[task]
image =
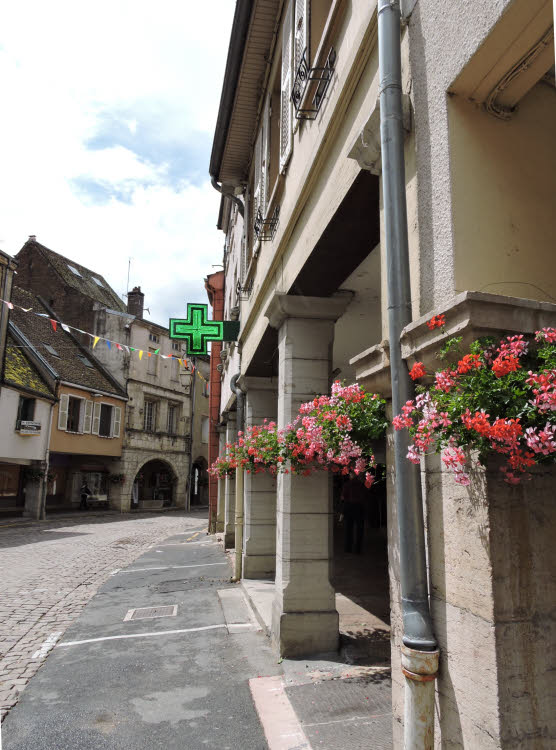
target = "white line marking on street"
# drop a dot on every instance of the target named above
(47, 646)
(279, 721)
(168, 567)
(140, 635)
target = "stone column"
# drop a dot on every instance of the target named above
(34, 490)
(221, 483)
(259, 545)
(230, 491)
(304, 617)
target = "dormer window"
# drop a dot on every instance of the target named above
(51, 350)
(74, 270)
(98, 282)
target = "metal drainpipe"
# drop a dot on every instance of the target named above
(42, 505)
(231, 196)
(419, 650)
(239, 480)
(193, 361)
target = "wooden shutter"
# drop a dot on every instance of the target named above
(63, 412)
(257, 173)
(301, 34)
(286, 90)
(116, 421)
(265, 158)
(96, 418)
(88, 416)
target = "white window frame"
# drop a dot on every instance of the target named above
(172, 406)
(80, 426)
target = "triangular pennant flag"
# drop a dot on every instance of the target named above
(126, 348)
(179, 360)
(149, 354)
(156, 351)
(54, 324)
(108, 344)
(131, 348)
(95, 342)
(42, 315)
(118, 346)
(26, 309)
(140, 353)
(9, 304)
(65, 327)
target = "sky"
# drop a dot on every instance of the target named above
(106, 126)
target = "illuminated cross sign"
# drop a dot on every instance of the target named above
(197, 331)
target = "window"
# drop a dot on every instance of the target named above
(74, 414)
(74, 270)
(286, 90)
(84, 360)
(172, 418)
(105, 420)
(175, 369)
(98, 282)
(149, 416)
(152, 363)
(154, 338)
(204, 429)
(176, 346)
(26, 409)
(51, 349)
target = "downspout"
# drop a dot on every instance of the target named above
(240, 396)
(228, 194)
(42, 505)
(419, 650)
(189, 478)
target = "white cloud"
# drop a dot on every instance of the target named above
(152, 68)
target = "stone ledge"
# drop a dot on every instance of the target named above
(469, 315)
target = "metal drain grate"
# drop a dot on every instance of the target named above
(142, 613)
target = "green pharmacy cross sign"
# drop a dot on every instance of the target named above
(197, 331)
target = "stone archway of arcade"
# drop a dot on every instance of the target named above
(294, 551)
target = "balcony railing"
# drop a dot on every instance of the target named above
(317, 79)
(265, 229)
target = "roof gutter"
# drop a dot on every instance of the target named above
(238, 38)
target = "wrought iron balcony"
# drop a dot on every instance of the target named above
(244, 292)
(265, 229)
(318, 78)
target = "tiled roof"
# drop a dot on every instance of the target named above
(85, 281)
(58, 348)
(20, 372)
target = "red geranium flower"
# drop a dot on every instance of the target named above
(417, 371)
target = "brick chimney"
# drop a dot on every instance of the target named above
(135, 302)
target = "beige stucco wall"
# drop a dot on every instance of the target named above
(503, 194)
(89, 444)
(24, 448)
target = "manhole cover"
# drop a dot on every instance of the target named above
(142, 613)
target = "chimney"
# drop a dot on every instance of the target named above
(135, 302)
(32, 238)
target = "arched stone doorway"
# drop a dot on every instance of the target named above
(154, 486)
(199, 482)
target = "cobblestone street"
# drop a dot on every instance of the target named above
(50, 570)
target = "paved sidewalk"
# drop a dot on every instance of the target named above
(115, 682)
(51, 569)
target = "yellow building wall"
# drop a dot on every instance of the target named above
(87, 444)
(504, 197)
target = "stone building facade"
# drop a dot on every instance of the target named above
(309, 276)
(158, 447)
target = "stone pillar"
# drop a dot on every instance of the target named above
(34, 490)
(230, 491)
(304, 617)
(259, 545)
(221, 484)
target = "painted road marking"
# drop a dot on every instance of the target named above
(47, 646)
(278, 719)
(193, 536)
(140, 635)
(167, 567)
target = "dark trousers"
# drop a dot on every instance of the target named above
(83, 505)
(354, 525)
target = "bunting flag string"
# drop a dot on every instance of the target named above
(182, 361)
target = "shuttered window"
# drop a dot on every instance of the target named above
(301, 34)
(96, 418)
(116, 421)
(87, 421)
(286, 90)
(63, 412)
